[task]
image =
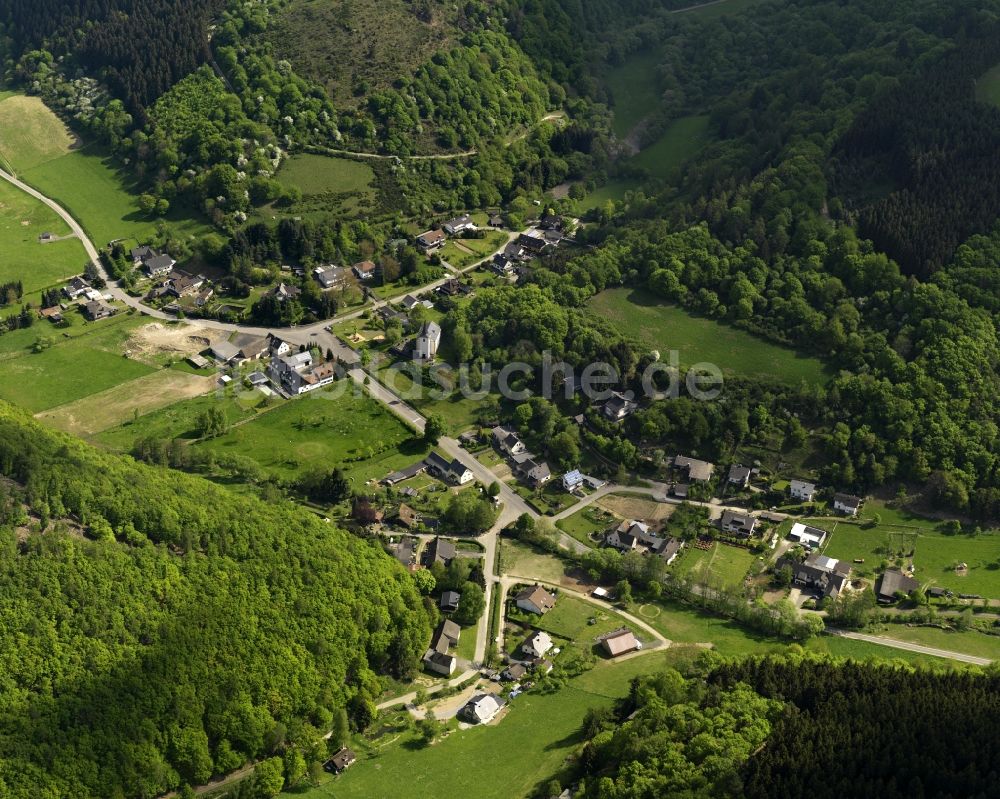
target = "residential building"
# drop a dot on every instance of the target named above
(97, 309)
(440, 662)
(670, 550)
(630, 535)
(253, 348)
(76, 288)
(53, 313)
(440, 550)
(531, 244)
(453, 471)
(531, 472)
(405, 474)
(296, 373)
(285, 291)
(514, 672)
(409, 302)
(428, 342)
(430, 241)
(802, 491)
(501, 265)
(330, 277)
(535, 599)
(437, 658)
(459, 225)
(407, 517)
(551, 222)
(620, 642)
(894, 582)
(735, 523)
(537, 644)
(449, 601)
(619, 406)
(181, 284)
(405, 551)
(819, 573)
(340, 761)
(811, 537)
(507, 441)
(481, 709)
(739, 476)
(697, 471)
(572, 480)
(454, 287)
(364, 270)
(278, 346)
(848, 504)
(153, 263)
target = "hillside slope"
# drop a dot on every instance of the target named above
(169, 630)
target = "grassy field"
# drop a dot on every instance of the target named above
(318, 431)
(934, 555)
(988, 87)
(663, 326)
(681, 141)
(571, 619)
(453, 251)
(30, 134)
(328, 185)
(458, 412)
(722, 563)
(615, 190)
(522, 560)
(22, 220)
(70, 369)
(120, 404)
(970, 642)
(633, 87)
(175, 421)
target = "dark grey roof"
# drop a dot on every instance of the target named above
(893, 582)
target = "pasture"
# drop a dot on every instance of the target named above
(571, 620)
(30, 134)
(71, 368)
(459, 413)
(585, 523)
(613, 191)
(461, 253)
(662, 326)
(633, 87)
(323, 430)
(22, 220)
(680, 141)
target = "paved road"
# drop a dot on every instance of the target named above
(919, 648)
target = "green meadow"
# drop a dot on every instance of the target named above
(662, 326)
(22, 220)
(324, 430)
(633, 87)
(988, 87)
(722, 564)
(681, 140)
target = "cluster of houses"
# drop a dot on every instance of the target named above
(92, 303)
(525, 466)
(432, 240)
(330, 276)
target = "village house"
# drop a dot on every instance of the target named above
(437, 657)
(739, 476)
(481, 709)
(535, 599)
(501, 265)
(826, 576)
(76, 288)
(296, 373)
(405, 474)
(182, 284)
(739, 524)
(278, 346)
(572, 480)
(330, 277)
(619, 643)
(533, 245)
(453, 471)
(364, 270)
(507, 441)
(440, 550)
(53, 314)
(430, 241)
(618, 407)
(892, 583)
(551, 222)
(440, 662)
(97, 309)
(802, 491)
(253, 348)
(284, 292)
(341, 761)
(407, 517)
(405, 551)
(223, 351)
(453, 287)
(848, 504)
(697, 471)
(811, 537)
(530, 472)
(514, 672)
(449, 601)
(428, 341)
(537, 644)
(459, 225)
(632, 535)
(153, 263)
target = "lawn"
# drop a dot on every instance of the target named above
(571, 619)
(328, 185)
(634, 90)
(988, 87)
(680, 142)
(970, 642)
(934, 555)
(722, 563)
(30, 134)
(583, 523)
(453, 253)
(615, 191)
(664, 327)
(22, 220)
(322, 430)
(72, 368)
(459, 413)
